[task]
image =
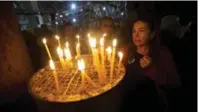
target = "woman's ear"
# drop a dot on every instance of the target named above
(152, 35)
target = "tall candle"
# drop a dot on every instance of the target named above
(78, 50)
(52, 67)
(47, 49)
(109, 51)
(102, 50)
(113, 59)
(102, 58)
(92, 42)
(96, 58)
(81, 67)
(68, 55)
(60, 55)
(120, 54)
(78, 37)
(58, 38)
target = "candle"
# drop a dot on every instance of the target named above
(46, 47)
(109, 51)
(78, 50)
(68, 55)
(113, 59)
(102, 50)
(77, 36)
(120, 54)
(52, 67)
(102, 58)
(96, 62)
(81, 67)
(58, 38)
(60, 55)
(67, 52)
(92, 42)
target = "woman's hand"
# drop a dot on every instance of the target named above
(145, 61)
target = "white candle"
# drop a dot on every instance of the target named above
(81, 67)
(113, 59)
(102, 50)
(102, 58)
(109, 51)
(78, 37)
(78, 50)
(52, 67)
(47, 49)
(60, 55)
(96, 61)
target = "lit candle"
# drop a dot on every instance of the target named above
(47, 49)
(68, 55)
(78, 50)
(102, 50)
(52, 67)
(113, 59)
(120, 54)
(102, 58)
(96, 61)
(92, 42)
(58, 38)
(78, 37)
(109, 51)
(81, 67)
(60, 55)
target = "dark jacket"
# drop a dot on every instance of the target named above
(145, 86)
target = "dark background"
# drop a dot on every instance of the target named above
(184, 53)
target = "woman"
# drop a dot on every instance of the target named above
(149, 71)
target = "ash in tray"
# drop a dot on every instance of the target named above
(42, 84)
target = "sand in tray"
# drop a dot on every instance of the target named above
(43, 86)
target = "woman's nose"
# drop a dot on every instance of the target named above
(136, 35)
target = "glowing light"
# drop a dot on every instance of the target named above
(74, 20)
(81, 65)
(114, 42)
(122, 13)
(104, 8)
(73, 6)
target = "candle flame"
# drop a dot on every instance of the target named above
(77, 36)
(104, 35)
(59, 51)
(109, 50)
(120, 54)
(92, 42)
(52, 66)
(114, 42)
(81, 65)
(57, 37)
(89, 36)
(67, 44)
(67, 54)
(102, 41)
(44, 41)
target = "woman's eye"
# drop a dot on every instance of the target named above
(142, 30)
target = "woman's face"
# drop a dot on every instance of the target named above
(140, 33)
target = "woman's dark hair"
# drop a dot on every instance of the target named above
(155, 42)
